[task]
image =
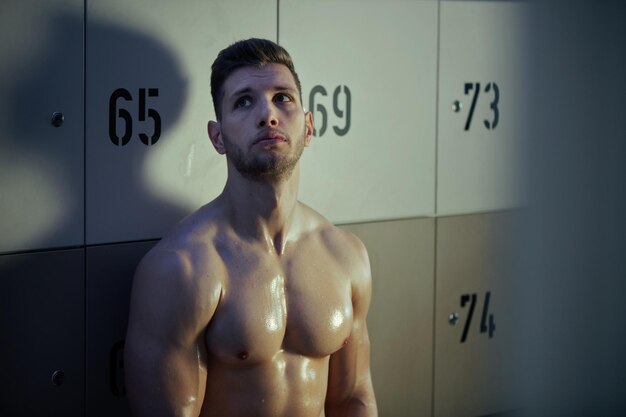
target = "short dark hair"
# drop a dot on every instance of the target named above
(252, 52)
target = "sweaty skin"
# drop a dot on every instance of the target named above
(254, 305)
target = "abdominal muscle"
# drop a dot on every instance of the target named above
(289, 384)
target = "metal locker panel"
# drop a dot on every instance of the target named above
(476, 319)
(149, 158)
(110, 270)
(41, 166)
(42, 323)
(400, 319)
(368, 72)
(483, 100)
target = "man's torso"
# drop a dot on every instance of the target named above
(278, 318)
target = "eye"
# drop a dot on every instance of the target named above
(242, 102)
(282, 98)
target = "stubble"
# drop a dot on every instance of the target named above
(265, 165)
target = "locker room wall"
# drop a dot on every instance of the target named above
(575, 235)
(419, 122)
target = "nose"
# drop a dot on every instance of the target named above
(267, 114)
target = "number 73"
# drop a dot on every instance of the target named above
(489, 124)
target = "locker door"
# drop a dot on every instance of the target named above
(43, 329)
(41, 156)
(149, 158)
(110, 270)
(476, 319)
(400, 320)
(483, 100)
(368, 70)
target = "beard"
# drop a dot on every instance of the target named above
(265, 165)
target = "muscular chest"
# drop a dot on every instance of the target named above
(297, 304)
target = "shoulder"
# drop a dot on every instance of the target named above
(175, 261)
(351, 258)
(188, 249)
(169, 283)
(180, 277)
(346, 248)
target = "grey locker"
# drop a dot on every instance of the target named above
(400, 319)
(476, 316)
(482, 106)
(110, 270)
(41, 165)
(149, 158)
(43, 329)
(368, 72)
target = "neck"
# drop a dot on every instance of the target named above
(262, 209)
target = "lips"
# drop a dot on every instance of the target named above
(270, 136)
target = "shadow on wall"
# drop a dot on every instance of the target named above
(573, 287)
(136, 93)
(42, 193)
(43, 169)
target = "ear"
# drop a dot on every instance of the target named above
(215, 134)
(308, 128)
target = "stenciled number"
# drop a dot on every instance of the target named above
(342, 131)
(464, 299)
(469, 87)
(116, 369)
(493, 106)
(487, 323)
(116, 113)
(318, 89)
(123, 114)
(153, 114)
(319, 108)
(489, 124)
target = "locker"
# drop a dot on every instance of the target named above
(483, 103)
(400, 319)
(43, 330)
(369, 76)
(476, 315)
(110, 270)
(149, 158)
(41, 159)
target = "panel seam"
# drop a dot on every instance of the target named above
(85, 396)
(435, 240)
(278, 22)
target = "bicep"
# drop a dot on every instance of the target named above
(163, 378)
(349, 381)
(349, 366)
(164, 367)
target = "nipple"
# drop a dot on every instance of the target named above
(345, 342)
(243, 355)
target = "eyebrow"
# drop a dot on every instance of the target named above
(246, 90)
(241, 91)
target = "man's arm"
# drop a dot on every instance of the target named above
(164, 355)
(350, 391)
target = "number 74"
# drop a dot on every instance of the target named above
(487, 324)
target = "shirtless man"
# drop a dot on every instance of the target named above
(254, 305)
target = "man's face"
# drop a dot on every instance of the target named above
(264, 128)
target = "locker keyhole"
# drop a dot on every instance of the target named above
(58, 377)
